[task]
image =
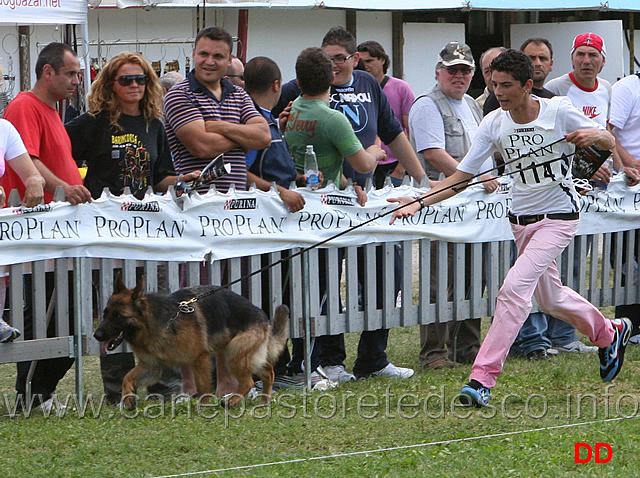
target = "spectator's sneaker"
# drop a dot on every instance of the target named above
(50, 405)
(298, 382)
(441, 363)
(611, 357)
(7, 333)
(391, 371)
(337, 373)
(474, 394)
(576, 347)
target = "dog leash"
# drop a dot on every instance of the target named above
(186, 307)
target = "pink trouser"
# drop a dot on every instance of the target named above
(535, 272)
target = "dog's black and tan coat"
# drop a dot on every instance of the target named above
(221, 322)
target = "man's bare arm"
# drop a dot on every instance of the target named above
(201, 143)
(75, 194)
(441, 160)
(294, 201)
(254, 134)
(401, 149)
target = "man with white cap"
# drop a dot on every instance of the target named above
(443, 123)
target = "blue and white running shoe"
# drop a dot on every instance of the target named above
(474, 397)
(611, 357)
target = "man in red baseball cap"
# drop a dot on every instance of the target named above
(587, 92)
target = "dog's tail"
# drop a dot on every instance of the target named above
(279, 333)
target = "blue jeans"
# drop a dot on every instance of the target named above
(533, 334)
(541, 331)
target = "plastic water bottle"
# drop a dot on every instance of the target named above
(311, 168)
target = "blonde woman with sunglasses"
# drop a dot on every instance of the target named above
(122, 139)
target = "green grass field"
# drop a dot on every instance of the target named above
(378, 427)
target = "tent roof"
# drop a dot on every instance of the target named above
(389, 5)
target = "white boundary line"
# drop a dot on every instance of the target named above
(405, 447)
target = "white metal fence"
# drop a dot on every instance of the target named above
(595, 266)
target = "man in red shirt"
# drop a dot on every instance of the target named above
(34, 115)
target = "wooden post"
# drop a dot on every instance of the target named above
(632, 44)
(397, 37)
(243, 27)
(24, 49)
(351, 22)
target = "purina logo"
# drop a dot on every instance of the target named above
(152, 206)
(240, 204)
(504, 188)
(333, 200)
(29, 210)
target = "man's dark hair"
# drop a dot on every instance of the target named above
(52, 54)
(216, 34)
(375, 49)
(314, 71)
(341, 37)
(514, 62)
(538, 41)
(259, 74)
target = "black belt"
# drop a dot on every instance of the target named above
(560, 216)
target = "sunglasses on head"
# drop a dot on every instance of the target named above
(126, 80)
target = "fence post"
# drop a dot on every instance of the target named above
(79, 280)
(306, 300)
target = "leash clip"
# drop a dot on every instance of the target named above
(185, 306)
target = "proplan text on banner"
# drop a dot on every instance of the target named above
(236, 224)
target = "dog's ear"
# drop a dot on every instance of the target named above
(118, 286)
(139, 290)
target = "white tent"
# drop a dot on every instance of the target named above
(394, 5)
(31, 12)
(47, 12)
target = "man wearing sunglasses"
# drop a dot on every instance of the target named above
(235, 72)
(443, 123)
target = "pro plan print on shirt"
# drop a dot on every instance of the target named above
(134, 159)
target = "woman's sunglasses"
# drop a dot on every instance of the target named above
(126, 80)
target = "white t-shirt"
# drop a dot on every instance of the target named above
(625, 113)
(11, 145)
(427, 126)
(594, 103)
(547, 188)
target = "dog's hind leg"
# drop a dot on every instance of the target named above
(202, 373)
(267, 375)
(245, 354)
(245, 383)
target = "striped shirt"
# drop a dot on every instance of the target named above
(189, 101)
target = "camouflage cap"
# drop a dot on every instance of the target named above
(456, 53)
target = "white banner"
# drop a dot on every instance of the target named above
(252, 222)
(30, 12)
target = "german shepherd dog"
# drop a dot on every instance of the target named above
(161, 333)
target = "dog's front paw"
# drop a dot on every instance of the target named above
(231, 400)
(129, 402)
